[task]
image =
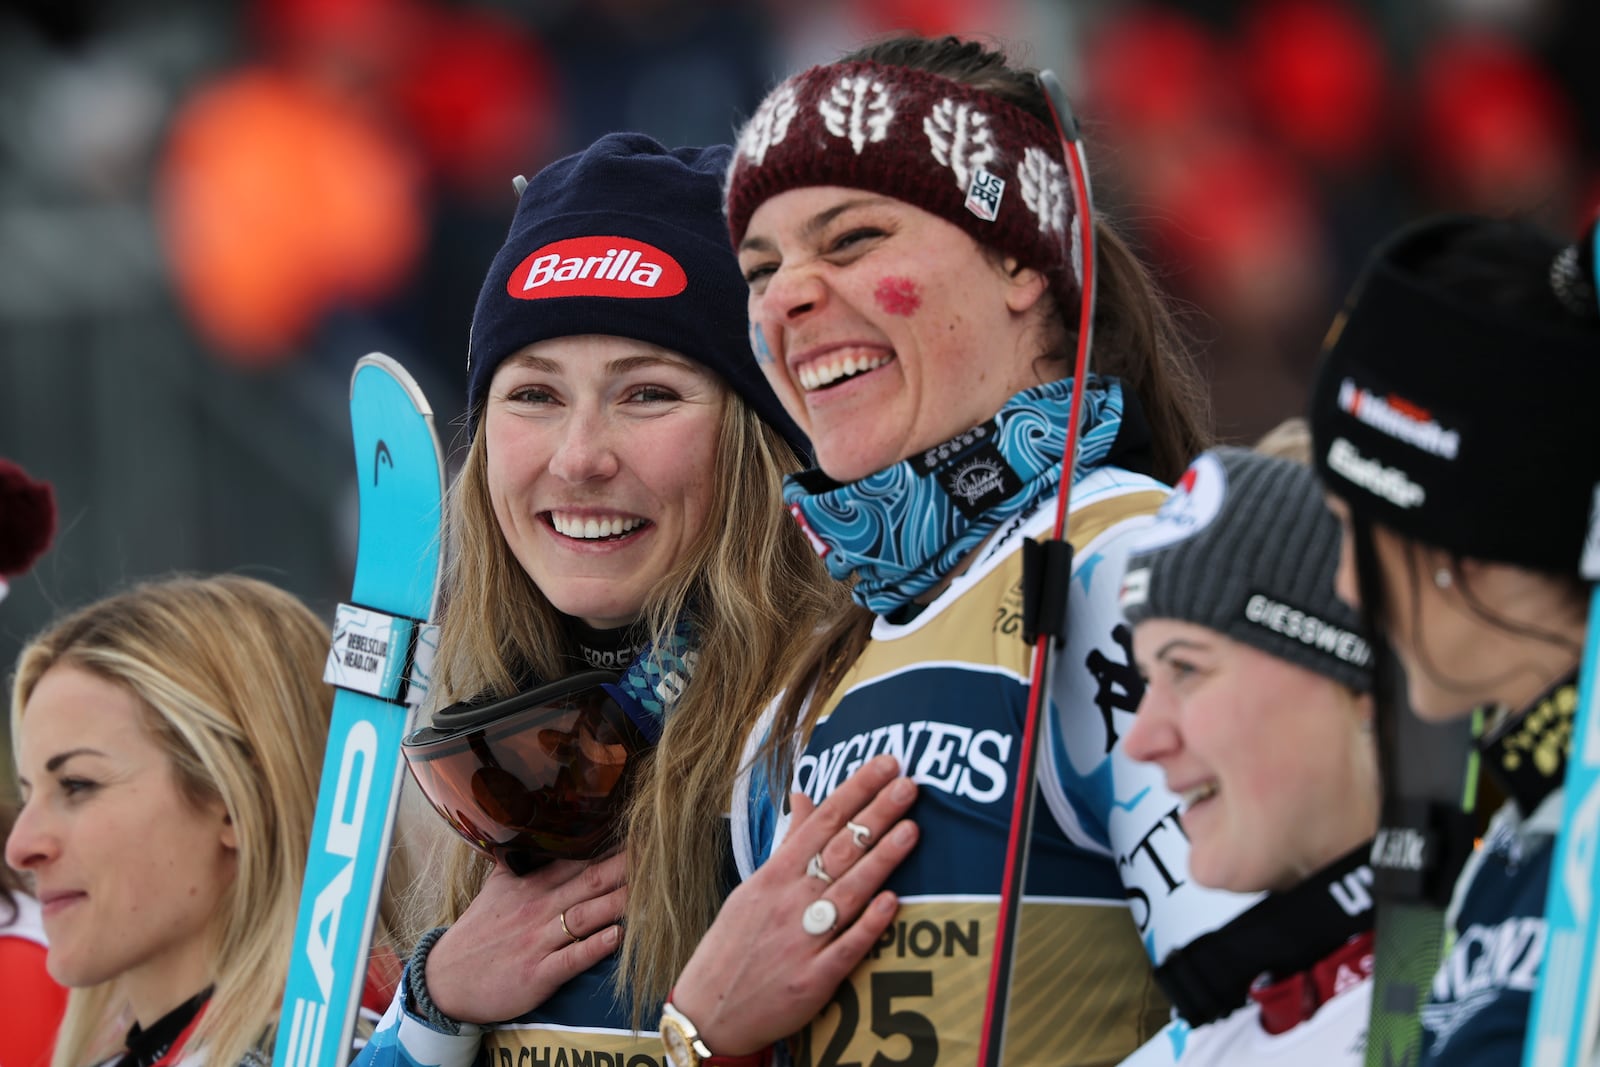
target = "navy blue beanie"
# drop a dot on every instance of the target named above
(626, 239)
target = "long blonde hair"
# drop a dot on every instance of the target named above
(229, 673)
(756, 591)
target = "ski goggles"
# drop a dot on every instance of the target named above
(537, 776)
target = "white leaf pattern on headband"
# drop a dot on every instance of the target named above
(1044, 189)
(959, 137)
(769, 125)
(847, 111)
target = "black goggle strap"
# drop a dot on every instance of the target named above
(650, 688)
(381, 655)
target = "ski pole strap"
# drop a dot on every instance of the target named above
(1046, 576)
(382, 655)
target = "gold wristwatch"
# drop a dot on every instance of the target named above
(681, 1039)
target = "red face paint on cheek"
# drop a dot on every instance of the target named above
(898, 296)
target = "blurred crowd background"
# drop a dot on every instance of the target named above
(210, 210)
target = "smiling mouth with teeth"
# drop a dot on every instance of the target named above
(826, 372)
(1204, 791)
(589, 529)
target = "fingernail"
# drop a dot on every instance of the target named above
(612, 935)
(902, 790)
(886, 904)
(905, 833)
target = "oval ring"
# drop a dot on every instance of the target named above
(562, 918)
(820, 917)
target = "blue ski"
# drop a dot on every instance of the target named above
(382, 646)
(1566, 1002)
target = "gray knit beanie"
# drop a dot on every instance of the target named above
(1245, 546)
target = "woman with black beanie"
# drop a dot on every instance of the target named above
(1453, 429)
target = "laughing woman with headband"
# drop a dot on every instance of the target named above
(619, 509)
(905, 223)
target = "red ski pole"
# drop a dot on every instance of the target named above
(1050, 584)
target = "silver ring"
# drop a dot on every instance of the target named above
(859, 834)
(814, 869)
(820, 917)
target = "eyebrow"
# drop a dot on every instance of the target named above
(620, 365)
(815, 224)
(55, 762)
(1179, 643)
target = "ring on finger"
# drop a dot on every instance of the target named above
(562, 918)
(820, 917)
(814, 869)
(859, 835)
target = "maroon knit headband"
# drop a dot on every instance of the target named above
(965, 155)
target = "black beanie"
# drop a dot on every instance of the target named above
(1245, 546)
(625, 239)
(1458, 424)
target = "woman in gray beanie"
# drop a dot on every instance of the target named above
(618, 510)
(1257, 707)
(1454, 432)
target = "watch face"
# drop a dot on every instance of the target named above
(677, 1043)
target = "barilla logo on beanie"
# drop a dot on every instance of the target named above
(1189, 508)
(607, 266)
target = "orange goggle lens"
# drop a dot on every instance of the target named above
(538, 776)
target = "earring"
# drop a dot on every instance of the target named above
(1442, 578)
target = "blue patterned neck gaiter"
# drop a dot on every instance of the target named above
(651, 686)
(900, 531)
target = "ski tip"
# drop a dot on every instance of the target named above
(1066, 119)
(394, 369)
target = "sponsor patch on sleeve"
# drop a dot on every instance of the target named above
(1191, 506)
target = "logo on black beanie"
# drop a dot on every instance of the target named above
(597, 266)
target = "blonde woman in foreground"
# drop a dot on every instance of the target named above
(168, 744)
